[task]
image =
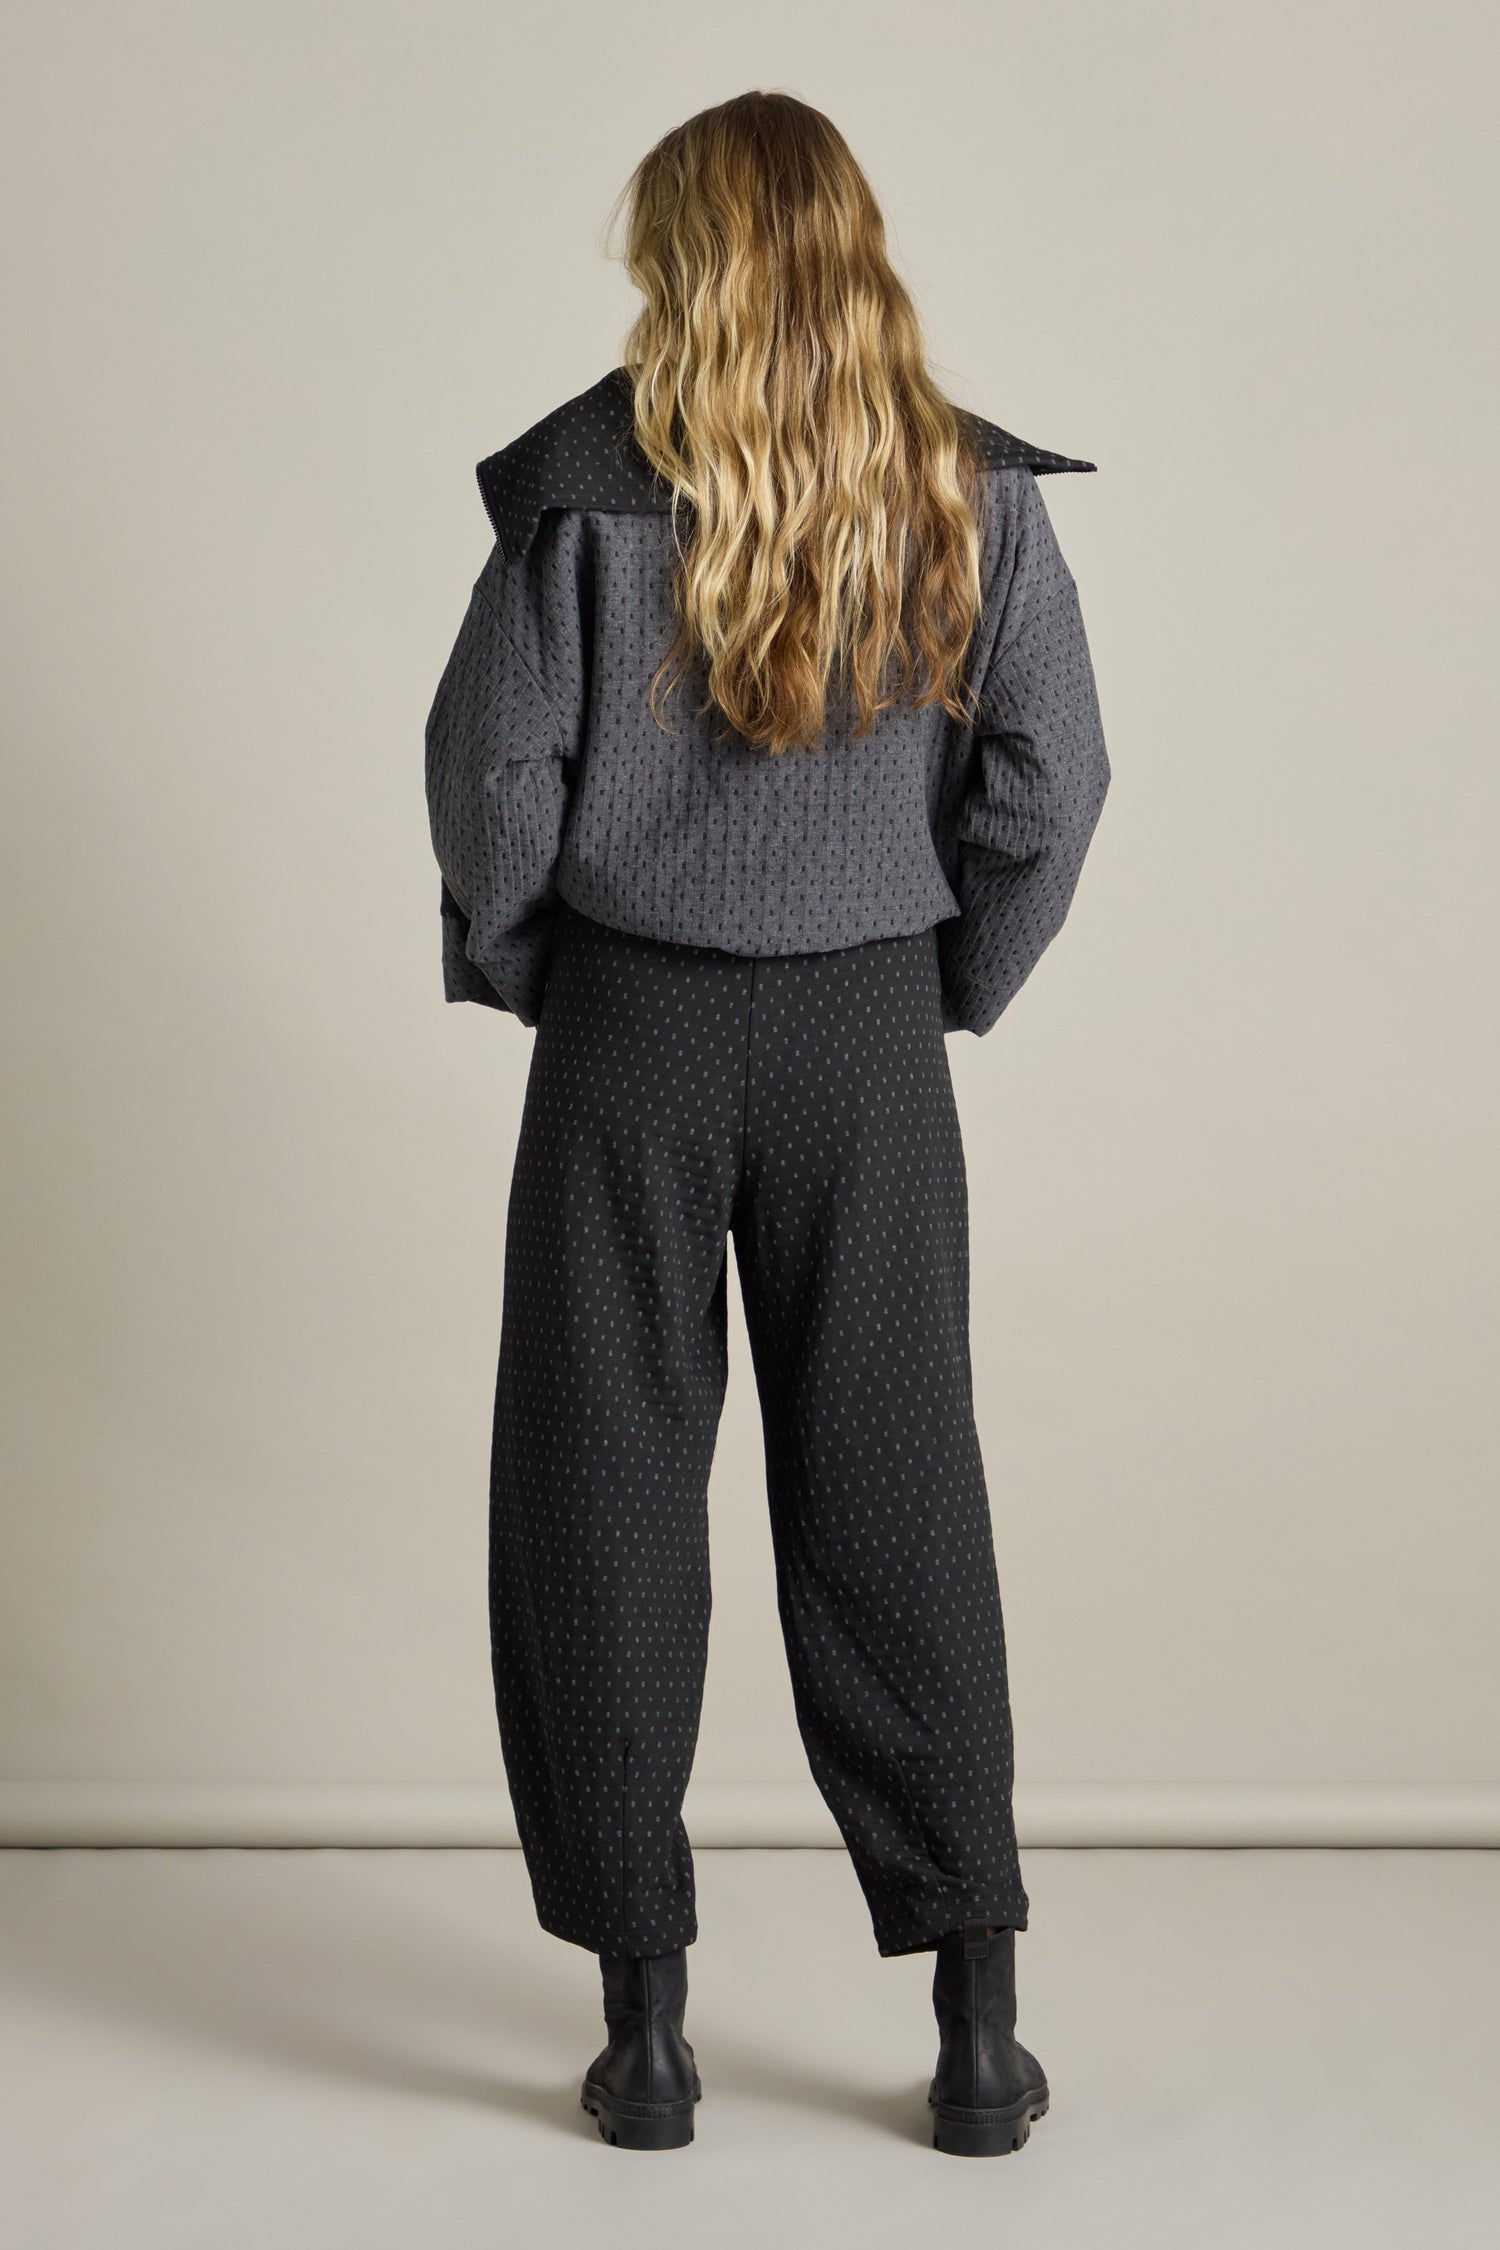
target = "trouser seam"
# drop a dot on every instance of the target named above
(745, 1094)
(625, 1843)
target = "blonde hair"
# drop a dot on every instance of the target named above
(781, 389)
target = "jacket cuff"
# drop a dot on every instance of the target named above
(461, 979)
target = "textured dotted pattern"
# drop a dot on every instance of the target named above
(584, 455)
(800, 1106)
(548, 780)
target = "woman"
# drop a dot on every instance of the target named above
(768, 754)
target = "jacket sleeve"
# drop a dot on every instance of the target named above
(1040, 773)
(502, 744)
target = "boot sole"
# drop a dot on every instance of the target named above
(985, 2132)
(639, 2124)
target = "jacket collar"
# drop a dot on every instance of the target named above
(584, 455)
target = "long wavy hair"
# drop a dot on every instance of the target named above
(831, 568)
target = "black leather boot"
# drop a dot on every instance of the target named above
(987, 2088)
(643, 2084)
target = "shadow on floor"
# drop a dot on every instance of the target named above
(330, 1963)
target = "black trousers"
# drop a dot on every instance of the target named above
(803, 1105)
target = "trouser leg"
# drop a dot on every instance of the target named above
(611, 1381)
(851, 1236)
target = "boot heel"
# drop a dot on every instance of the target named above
(639, 2124)
(985, 2132)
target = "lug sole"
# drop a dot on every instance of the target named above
(985, 2132)
(639, 2124)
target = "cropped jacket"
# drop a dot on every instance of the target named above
(548, 778)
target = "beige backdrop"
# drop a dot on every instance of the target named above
(278, 276)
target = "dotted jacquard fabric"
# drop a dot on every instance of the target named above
(549, 781)
(584, 454)
(801, 1106)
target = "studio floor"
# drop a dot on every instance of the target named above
(307, 2050)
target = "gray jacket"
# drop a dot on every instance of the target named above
(548, 778)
